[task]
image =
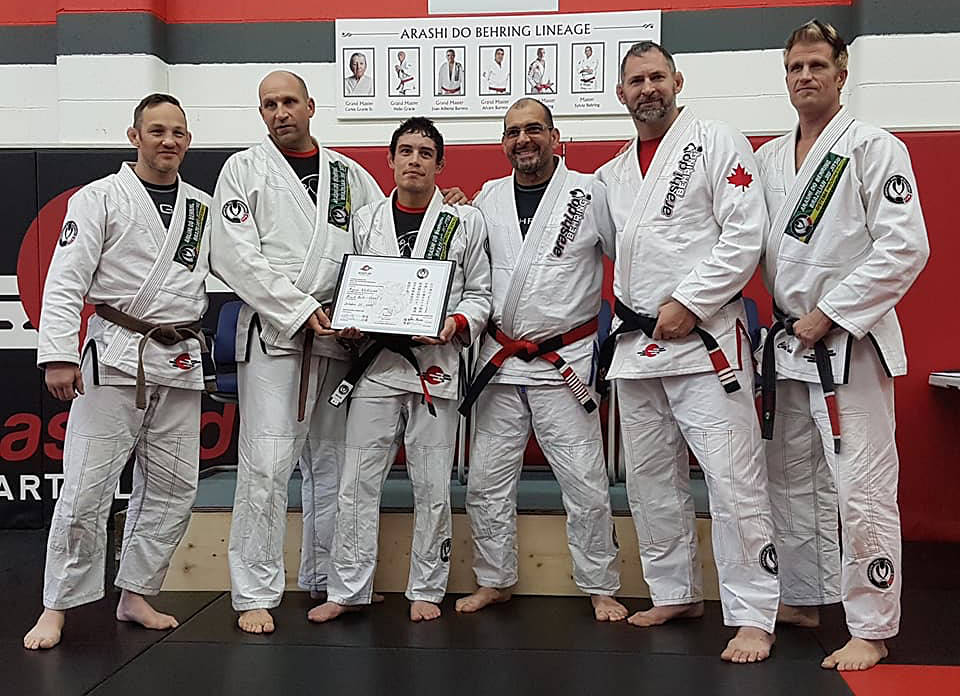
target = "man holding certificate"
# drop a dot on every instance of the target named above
(405, 388)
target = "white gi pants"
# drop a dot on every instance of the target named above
(573, 445)
(103, 429)
(271, 441)
(659, 418)
(375, 428)
(863, 477)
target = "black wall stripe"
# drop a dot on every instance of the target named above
(314, 42)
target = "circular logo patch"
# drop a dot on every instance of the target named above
(422, 273)
(338, 216)
(800, 224)
(235, 211)
(880, 573)
(68, 234)
(445, 550)
(897, 189)
(768, 559)
(188, 254)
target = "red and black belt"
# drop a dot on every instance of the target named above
(631, 321)
(401, 345)
(528, 351)
(768, 378)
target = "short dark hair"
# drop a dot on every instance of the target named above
(527, 101)
(641, 47)
(153, 100)
(814, 31)
(422, 126)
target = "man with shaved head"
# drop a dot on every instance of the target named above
(549, 228)
(282, 212)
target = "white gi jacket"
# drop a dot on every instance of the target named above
(497, 76)
(550, 281)
(375, 234)
(691, 230)
(276, 249)
(405, 77)
(847, 235)
(450, 79)
(114, 250)
(537, 76)
(352, 87)
(587, 71)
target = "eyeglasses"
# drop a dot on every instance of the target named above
(532, 130)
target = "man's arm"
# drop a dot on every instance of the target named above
(474, 304)
(900, 249)
(236, 258)
(75, 260)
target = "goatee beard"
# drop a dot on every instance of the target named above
(647, 114)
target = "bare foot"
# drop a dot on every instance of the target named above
(660, 615)
(484, 596)
(857, 655)
(377, 598)
(424, 611)
(46, 632)
(607, 608)
(749, 645)
(805, 617)
(135, 609)
(328, 611)
(255, 621)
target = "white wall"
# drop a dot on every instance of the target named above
(906, 82)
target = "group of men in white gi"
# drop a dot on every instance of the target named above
(687, 211)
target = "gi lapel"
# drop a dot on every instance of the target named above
(813, 185)
(531, 244)
(151, 284)
(667, 154)
(436, 231)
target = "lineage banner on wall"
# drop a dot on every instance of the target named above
(477, 66)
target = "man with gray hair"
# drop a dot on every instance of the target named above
(690, 223)
(846, 241)
(358, 83)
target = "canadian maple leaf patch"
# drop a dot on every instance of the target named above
(740, 177)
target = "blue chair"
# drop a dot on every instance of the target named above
(225, 351)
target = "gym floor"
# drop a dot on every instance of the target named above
(533, 645)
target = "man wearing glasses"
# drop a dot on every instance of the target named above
(548, 229)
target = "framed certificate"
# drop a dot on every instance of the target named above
(392, 295)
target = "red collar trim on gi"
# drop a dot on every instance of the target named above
(413, 211)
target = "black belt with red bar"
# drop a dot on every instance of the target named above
(768, 378)
(631, 321)
(528, 351)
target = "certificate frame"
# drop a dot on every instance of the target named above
(357, 273)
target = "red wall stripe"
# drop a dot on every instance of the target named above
(190, 11)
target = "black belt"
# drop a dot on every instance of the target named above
(401, 345)
(631, 321)
(768, 377)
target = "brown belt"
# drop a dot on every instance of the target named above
(166, 334)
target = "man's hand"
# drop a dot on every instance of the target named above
(811, 327)
(319, 323)
(63, 380)
(350, 334)
(448, 332)
(673, 321)
(454, 196)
